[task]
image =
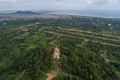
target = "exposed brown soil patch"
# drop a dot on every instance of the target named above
(51, 75)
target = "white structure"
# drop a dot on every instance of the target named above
(109, 24)
(56, 54)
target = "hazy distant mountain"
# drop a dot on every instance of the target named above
(26, 12)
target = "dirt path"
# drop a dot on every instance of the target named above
(53, 42)
(51, 75)
(67, 35)
(97, 36)
(78, 30)
(21, 75)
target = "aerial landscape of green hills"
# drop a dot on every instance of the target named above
(89, 47)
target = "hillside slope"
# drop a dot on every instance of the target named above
(89, 47)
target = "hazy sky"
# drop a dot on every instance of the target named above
(59, 4)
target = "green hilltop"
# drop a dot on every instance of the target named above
(89, 48)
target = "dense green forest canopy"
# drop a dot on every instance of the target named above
(89, 46)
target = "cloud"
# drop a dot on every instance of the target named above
(7, 0)
(113, 1)
(102, 2)
(89, 1)
(59, 4)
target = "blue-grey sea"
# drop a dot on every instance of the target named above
(93, 13)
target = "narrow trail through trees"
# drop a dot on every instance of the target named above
(21, 75)
(56, 57)
(67, 35)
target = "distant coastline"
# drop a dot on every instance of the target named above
(92, 13)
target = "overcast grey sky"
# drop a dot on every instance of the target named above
(59, 4)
